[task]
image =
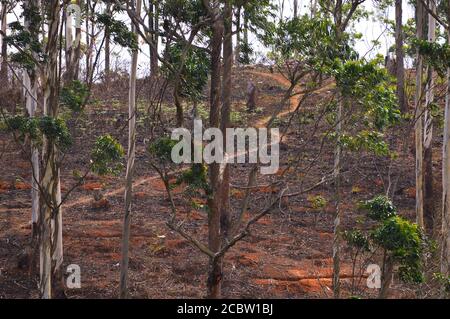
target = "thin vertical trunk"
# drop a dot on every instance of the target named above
(237, 48)
(419, 120)
(445, 244)
(399, 52)
(295, 8)
(313, 8)
(428, 134)
(153, 20)
(107, 47)
(88, 42)
(214, 231)
(73, 46)
(4, 48)
(386, 279)
(226, 109)
(337, 213)
(123, 289)
(337, 170)
(246, 57)
(30, 84)
(49, 207)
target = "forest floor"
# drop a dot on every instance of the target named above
(287, 255)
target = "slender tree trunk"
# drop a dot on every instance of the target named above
(428, 135)
(107, 47)
(153, 20)
(237, 48)
(49, 198)
(226, 109)
(73, 46)
(337, 170)
(30, 84)
(4, 48)
(295, 8)
(399, 52)
(445, 244)
(419, 121)
(88, 42)
(214, 219)
(313, 8)
(246, 57)
(337, 213)
(123, 289)
(178, 104)
(386, 279)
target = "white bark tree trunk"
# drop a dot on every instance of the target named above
(49, 214)
(445, 244)
(130, 166)
(419, 121)
(428, 133)
(337, 214)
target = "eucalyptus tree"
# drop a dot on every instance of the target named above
(399, 54)
(428, 130)
(342, 12)
(419, 116)
(131, 157)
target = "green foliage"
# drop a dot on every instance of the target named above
(73, 95)
(55, 129)
(365, 140)
(119, 31)
(357, 239)
(187, 11)
(196, 178)
(436, 54)
(24, 126)
(260, 15)
(193, 74)
(30, 48)
(162, 148)
(310, 41)
(317, 202)
(401, 240)
(245, 53)
(106, 156)
(404, 242)
(379, 208)
(444, 280)
(369, 85)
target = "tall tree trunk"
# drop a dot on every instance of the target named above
(419, 120)
(337, 169)
(313, 8)
(73, 46)
(214, 231)
(107, 47)
(399, 52)
(445, 244)
(88, 42)
(153, 20)
(226, 109)
(237, 48)
(295, 8)
(246, 57)
(49, 212)
(4, 48)
(178, 103)
(428, 134)
(123, 289)
(337, 213)
(30, 84)
(386, 280)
